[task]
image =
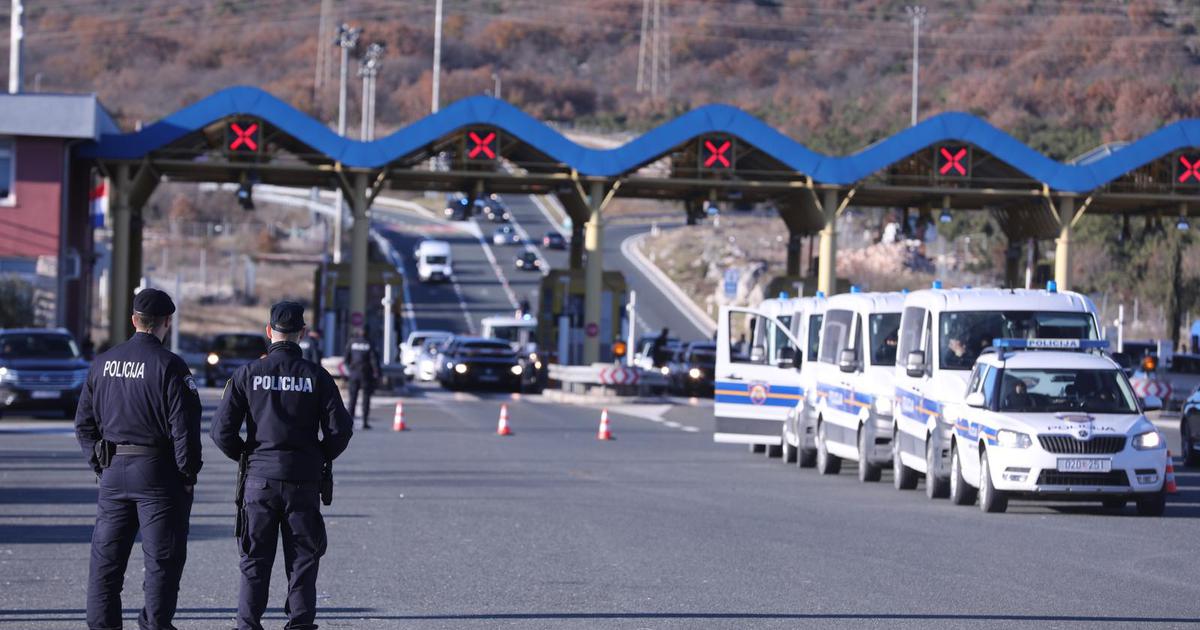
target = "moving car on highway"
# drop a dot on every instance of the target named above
(528, 261)
(477, 362)
(1042, 421)
(434, 261)
(942, 332)
(458, 208)
(506, 235)
(521, 335)
(495, 211)
(411, 348)
(554, 240)
(429, 357)
(693, 369)
(228, 352)
(40, 369)
(855, 376)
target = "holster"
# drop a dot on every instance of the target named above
(103, 451)
(327, 485)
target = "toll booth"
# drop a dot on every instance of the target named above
(560, 314)
(331, 298)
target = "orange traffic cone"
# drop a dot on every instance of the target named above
(1169, 483)
(605, 432)
(502, 428)
(398, 419)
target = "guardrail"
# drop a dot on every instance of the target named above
(606, 378)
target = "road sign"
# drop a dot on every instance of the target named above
(481, 145)
(356, 319)
(731, 281)
(592, 329)
(243, 136)
(953, 160)
(618, 375)
(1187, 170)
(716, 153)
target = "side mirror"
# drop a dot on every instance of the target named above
(975, 399)
(914, 363)
(1152, 403)
(848, 360)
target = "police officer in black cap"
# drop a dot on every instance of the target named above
(138, 422)
(296, 425)
(362, 370)
(310, 346)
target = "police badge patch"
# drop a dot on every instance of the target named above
(191, 383)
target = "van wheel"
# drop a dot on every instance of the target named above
(960, 492)
(789, 452)
(758, 448)
(866, 470)
(935, 487)
(826, 464)
(990, 499)
(1152, 504)
(903, 478)
(807, 458)
(774, 450)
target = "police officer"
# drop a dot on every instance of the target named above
(310, 346)
(286, 403)
(138, 422)
(362, 370)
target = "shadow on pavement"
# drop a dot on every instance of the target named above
(49, 496)
(60, 534)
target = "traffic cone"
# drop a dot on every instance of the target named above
(502, 428)
(1169, 483)
(605, 432)
(398, 419)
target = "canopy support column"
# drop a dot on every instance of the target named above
(1062, 252)
(359, 250)
(593, 274)
(827, 261)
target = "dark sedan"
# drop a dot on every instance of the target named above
(693, 369)
(528, 261)
(229, 352)
(480, 363)
(554, 240)
(40, 369)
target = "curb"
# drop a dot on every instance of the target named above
(631, 249)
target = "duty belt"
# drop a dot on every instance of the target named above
(137, 449)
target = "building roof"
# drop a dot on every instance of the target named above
(77, 116)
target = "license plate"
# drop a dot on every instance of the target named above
(1090, 464)
(44, 394)
(489, 378)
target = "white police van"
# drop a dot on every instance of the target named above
(799, 427)
(757, 377)
(1045, 418)
(942, 333)
(854, 373)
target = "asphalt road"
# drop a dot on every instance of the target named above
(450, 526)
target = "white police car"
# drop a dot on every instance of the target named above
(1046, 418)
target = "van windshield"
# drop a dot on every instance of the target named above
(965, 334)
(435, 260)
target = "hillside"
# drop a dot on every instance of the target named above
(1061, 74)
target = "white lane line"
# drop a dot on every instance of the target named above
(672, 424)
(487, 251)
(462, 303)
(691, 429)
(543, 264)
(630, 248)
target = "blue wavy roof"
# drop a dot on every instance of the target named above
(482, 110)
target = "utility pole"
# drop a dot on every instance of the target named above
(496, 81)
(656, 47)
(655, 39)
(324, 34)
(368, 71)
(347, 39)
(917, 14)
(437, 56)
(643, 43)
(16, 36)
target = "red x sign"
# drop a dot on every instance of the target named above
(953, 161)
(244, 139)
(716, 154)
(1189, 169)
(482, 145)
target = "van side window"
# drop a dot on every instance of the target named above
(742, 328)
(835, 334)
(860, 339)
(911, 325)
(989, 387)
(814, 336)
(928, 344)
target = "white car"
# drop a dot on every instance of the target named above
(506, 235)
(434, 261)
(855, 382)
(942, 333)
(410, 350)
(1042, 422)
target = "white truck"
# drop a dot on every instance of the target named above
(855, 368)
(942, 333)
(434, 261)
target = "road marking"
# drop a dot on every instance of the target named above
(543, 264)
(672, 424)
(487, 251)
(691, 429)
(685, 305)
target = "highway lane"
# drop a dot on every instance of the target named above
(655, 309)
(450, 526)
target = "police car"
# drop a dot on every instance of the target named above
(1054, 419)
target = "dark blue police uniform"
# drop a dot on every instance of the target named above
(295, 424)
(140, 402)
(362, 371)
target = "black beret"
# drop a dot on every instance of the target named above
(287, 317)
(153, 302)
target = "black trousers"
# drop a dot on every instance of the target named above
(367, 387)
(293, 509)
(138, 493)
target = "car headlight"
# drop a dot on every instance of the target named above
(7, 375)
(516, 370)
(1013, 439)
(212, 358)
(461, 368)
(1148, 441)
(537, 365)
(883, 406)
(694, 372)
(665, 370)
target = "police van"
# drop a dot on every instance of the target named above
(799, 427)
(757, 374)
(854, 373)
(1046, 418)
(942, 333)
